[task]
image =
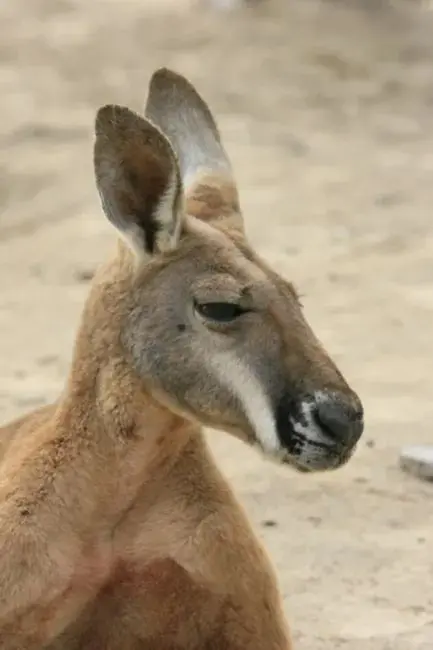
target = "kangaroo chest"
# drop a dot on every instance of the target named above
(158, 607)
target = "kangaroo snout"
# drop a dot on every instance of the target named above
(319, 431)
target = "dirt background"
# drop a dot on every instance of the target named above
(327, 112)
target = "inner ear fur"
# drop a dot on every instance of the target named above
(138, 179)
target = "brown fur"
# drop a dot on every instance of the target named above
(117, 531)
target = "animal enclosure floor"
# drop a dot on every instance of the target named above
(327, 112)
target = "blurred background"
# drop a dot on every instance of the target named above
(326, 109)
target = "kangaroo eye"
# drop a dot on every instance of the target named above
(222, 312)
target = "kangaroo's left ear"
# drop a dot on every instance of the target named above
(138, 179)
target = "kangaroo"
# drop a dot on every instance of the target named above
(117, 530)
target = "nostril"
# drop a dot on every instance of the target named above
(340, 421)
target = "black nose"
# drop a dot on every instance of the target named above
(341, 421)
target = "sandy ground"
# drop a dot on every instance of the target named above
(327, 113)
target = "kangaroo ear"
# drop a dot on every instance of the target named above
(138, 179)
(177, 109)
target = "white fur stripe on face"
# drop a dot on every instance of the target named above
(243, 384)
(246, 388)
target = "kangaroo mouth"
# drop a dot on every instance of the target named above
(307, 456)
(326, 458)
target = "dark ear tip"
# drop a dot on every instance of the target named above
(110, 116)
(163, 72)
(104, 116)
(164, 78)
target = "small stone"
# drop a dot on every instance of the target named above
(418, 461)
(269, 523)
(316, 521)
(48, 360)
(84, 275)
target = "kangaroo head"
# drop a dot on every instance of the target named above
(208, 327)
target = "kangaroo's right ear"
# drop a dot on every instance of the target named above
(138, 179)
(175, 106)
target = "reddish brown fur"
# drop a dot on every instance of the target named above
(149, 528)
(117, 530)
(213, 198)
